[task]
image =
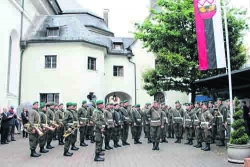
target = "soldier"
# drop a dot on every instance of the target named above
(221, 120)
(170, 123)
(132, 128)
(108, 117)
(117, 128)
(198, 130)
(146, 121)
(126, 122)
(59, 115)
(75, 121)
(228, 118)
(156, 123)
(83, 119)
(99, 122)
(206, 124)
(43, 117)
(51, 118)
(34, 120)
(188, 123)
(68, 123)
(55, 133)
(137, 119)
(212, 111)
(164, 130)
(178, 114)
(90, 124)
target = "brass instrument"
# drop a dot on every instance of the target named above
(28, 129)
(74, 126)
(48, 128)
(53, 123)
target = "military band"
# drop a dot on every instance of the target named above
(202, 122)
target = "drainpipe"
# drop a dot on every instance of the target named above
(21, 55)
(129, 55)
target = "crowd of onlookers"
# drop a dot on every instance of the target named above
(11, 123)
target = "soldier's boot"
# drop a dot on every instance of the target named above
(83, 144)
(117, 144)
(208, 147)
(67, 153)
(199, 145)
(60, 141)
(74, 148)
(188, 142)
(172, 134)
(107, 146)
(161, 141)
(191, 142)
(196, 144)
(148, 140)
(153, 146)
(49, 146)
(169, 136)
(202, 148)
(222, 143)
(43, 150)
(92, 139)
(34, 154)
(179, 140)
(98, 158)
(135, 141)
(157, 146)
(102, 153)
(164, 140)
(138, 141)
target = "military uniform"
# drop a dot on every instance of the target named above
(68, 123)
(156, 123)
(90, 127)
(132, 127)
(126, 121)
(99, 122)
(214, 127)
(108, 117)
(188, 124)
(221, 120)
(170, 123)
(117, 129)
(44, 122)
(83, 119)
(51, 117)
(137, 119)
(198, 130)
(75, 121)
(34, 120)
(146, 122)
(177, 115)
(59, 116)
(164, 129)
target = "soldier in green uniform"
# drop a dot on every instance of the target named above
(212, 111)
(178, 114)
(68, 123)
(108, 117)
(188, 123)
(228, 122)
(198, 130)
(59, 115)
(206, 125)
(83, 119)
(146, 121)
(51, 117)
(34, 120)
(221, 120)
(132, 128)
(170, 123)
(75, 121)
(43, 118)
(55, 133)
(164, 130)
(137, 119)
(99, 122)
(126, 122)
(156, 124)
(90, 124)
(117, 128)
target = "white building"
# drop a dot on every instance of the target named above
(17, 17)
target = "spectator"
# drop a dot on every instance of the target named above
(12, 117)
(246, 116)
(25, 120)
(4, 127)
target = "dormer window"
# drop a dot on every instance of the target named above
(53, 31)
(117, 46)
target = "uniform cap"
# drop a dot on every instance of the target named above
(137, 105)
(42, 104)
(177, 102)
(99, 102)
(84, 101)
(36, 102)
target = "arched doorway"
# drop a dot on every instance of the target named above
(13, 64)
(117, 97)
(160, 97)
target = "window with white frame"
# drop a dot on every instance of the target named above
(118, 71)
(49, 97)
(117, 46)
(91, 63)
(50, 61)
(53, 31)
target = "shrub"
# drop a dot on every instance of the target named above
(238, 136)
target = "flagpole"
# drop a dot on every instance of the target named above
(228, 63)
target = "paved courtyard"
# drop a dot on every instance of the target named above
(16, 154)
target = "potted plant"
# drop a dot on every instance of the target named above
(238, 147)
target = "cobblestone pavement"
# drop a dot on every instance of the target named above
(16, 154)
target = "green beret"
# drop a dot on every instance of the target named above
(188, 104)
(69, 104)
(42, 104)
(99, 102)
(61, 104)
(125, 101)
(36, 102)
(219, 99)
(121, 102)
(177, 102)
(137, 105)
(56, 104)
(148, 103)
(52, 103)
(84, 101)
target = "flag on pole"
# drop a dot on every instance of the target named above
(209, 34)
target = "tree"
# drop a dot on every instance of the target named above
(170, 34)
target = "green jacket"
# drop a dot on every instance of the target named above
(98, 119)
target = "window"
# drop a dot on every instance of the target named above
(53, 31)
(50, 61)
(91, 63)
(117, 46)
(118, 71)
(49, 97)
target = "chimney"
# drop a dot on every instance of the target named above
(106, 16)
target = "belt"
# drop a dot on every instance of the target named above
(126, 118)
(83, 118)
(155, 120)
(110, 120)
(138, 119)
(75, 122)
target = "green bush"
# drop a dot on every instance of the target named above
(238, 136)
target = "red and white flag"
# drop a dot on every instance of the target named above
(209, 34)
